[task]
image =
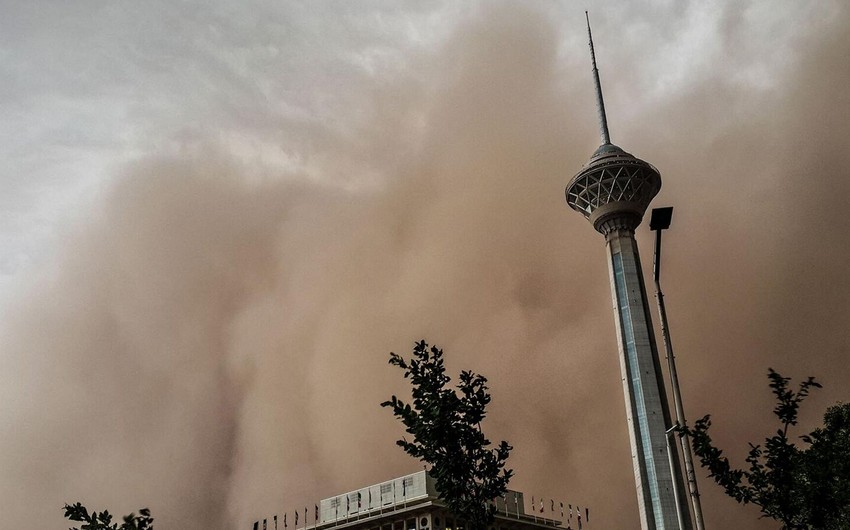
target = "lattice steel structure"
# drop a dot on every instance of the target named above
(613, 184)
(612, 191)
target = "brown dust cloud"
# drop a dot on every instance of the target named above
(213, 344)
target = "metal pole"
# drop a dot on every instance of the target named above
(679, 515)
(693, 489)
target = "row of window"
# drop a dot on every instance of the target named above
(363, 500)
(420, 523)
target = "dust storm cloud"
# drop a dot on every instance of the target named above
(212, 340)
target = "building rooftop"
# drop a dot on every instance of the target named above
(411, 502)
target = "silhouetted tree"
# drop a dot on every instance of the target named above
(103, 520)
(446, 427)
(804, 488)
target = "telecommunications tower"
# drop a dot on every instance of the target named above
(612, 191)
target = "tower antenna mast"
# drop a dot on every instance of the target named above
(600, 103)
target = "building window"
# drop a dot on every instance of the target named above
(406, 487)
(335, 502)
(387, 493)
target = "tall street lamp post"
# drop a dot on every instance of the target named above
(659, 222)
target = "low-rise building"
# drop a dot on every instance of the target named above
(411, 502)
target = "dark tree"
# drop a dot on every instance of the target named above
(446, 427)
(825, 469)
(103, 520)
(804, 487)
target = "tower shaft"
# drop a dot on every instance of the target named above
(647, 410)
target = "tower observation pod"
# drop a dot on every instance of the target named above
(612, 191)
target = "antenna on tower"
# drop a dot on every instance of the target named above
(600, 103)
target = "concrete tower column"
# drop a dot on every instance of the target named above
(647, 411)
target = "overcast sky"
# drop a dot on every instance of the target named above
(217, 219)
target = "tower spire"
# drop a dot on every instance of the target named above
(600, 103)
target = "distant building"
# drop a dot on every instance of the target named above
(411, 503)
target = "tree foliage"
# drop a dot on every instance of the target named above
(103, 520)
(446, 427)
(804, 487)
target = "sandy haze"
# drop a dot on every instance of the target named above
(211, 339)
